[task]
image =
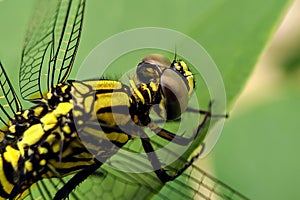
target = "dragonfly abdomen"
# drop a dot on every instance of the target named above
(41, 142)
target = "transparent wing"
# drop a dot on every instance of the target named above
(9, 102)
(131, 183)
(50, 46)
(110, 183)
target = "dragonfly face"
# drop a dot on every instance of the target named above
(175, 80)
(77, 126)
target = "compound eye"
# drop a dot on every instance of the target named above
(147, 72)
(175, 92)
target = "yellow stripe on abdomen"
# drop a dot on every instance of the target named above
(6, 185)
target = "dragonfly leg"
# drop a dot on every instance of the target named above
(180, 140)
(160, 172)
(156, 164)
(63, 192)
(165, 134)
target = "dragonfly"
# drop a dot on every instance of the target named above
(66, 144)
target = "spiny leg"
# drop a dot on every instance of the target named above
(63, 192)
(160, 172)
(156, 164)
(163, 133)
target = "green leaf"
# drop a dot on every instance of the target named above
(261, 147)
(233, 32)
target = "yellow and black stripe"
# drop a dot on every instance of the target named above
(41, 142)
(85, 119)
(77, 126)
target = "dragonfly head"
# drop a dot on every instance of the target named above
(174, 78)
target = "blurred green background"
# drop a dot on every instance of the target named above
(257, 152)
